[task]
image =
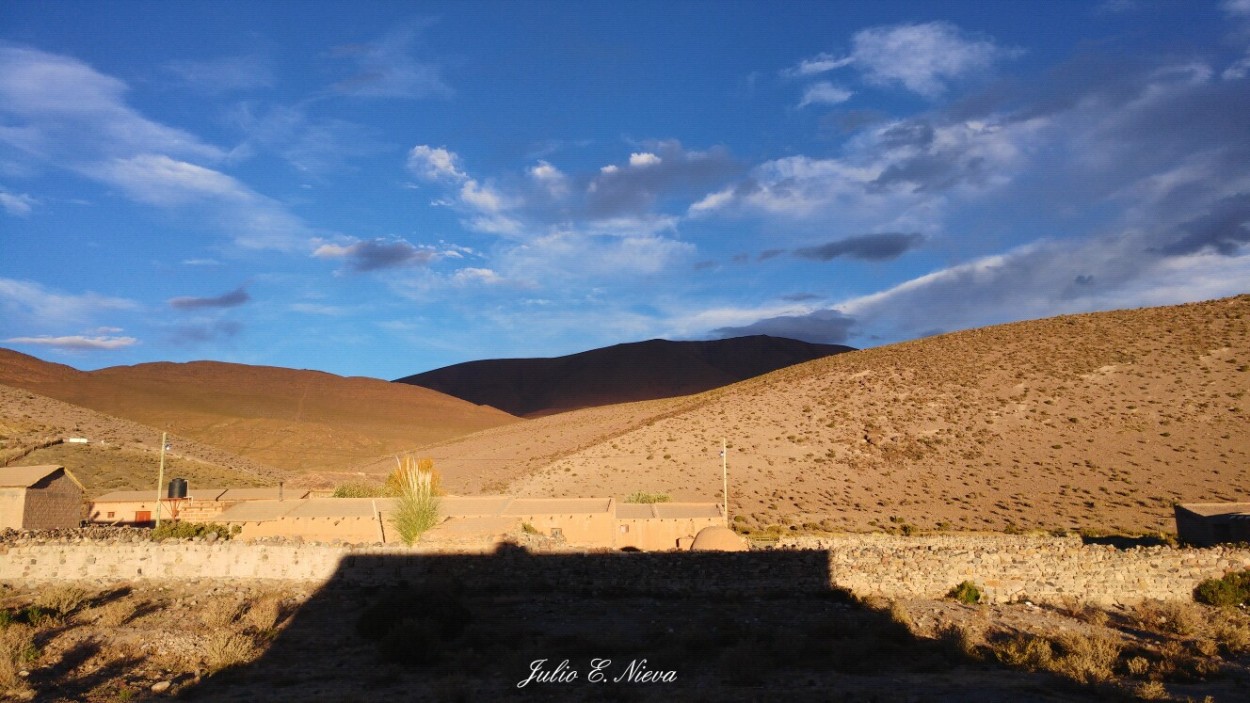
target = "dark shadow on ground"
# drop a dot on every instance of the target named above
(1122, 542)
(728, 626)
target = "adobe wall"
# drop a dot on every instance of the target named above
(12, 507)
(1006, 567)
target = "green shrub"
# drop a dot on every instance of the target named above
(643, 497)
(190, 530)
(966, 592)
(1233, 589)
(359, 490)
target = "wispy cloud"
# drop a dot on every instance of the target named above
(59, 107)
(233, 299)
(386, 68)
(17, 204)
(204, 332)
(33, 303)
(224, 74)
(76, 342)
(824, 93)
(435, 163)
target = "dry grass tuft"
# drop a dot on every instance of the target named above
(61, 599)
(227, 649)
(264, 613)
(116, 614)
(17, 651)
(219, 613)
(1086, 658)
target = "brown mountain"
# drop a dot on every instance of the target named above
(618, 374)
(295, 420)
(1096, 422)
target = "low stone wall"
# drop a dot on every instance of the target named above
(1018, 567)
(1006, 567)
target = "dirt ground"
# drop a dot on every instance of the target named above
(477, 637)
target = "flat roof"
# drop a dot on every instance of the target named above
(686, 510)
(127, 496)
(1213, 509)
(256, 511)
(555, 506)
(264, 493)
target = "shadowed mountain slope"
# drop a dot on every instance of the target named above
(618, 374)
(1097, 421)
(292, 419)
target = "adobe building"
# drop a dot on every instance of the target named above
(199, 504)
(581, 522)
(39, 498)
(1207, 524)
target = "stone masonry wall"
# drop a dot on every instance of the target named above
(1006, 567)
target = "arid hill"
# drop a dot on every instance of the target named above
(622, 373)
(295, 420)
(119, 455)
(1096, 422)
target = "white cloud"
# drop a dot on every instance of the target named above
(712, 202)
(824, 93)
(434, 164)
(1238, 69)
(820, 63)
(17, 204)
(77, 342)
(30, 305)
(157, 179)
(255, 221)
(481, 276)
(644, 159)
(551, 178)
(609, 169)
(923, 58)
(1237, 8)
(62, 108)
(225, 74)
(386, 68)
(483, 198)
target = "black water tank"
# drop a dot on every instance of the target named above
(178, 488)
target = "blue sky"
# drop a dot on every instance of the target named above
(380, 189)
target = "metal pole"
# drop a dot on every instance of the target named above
(160, 481)
(724, 471)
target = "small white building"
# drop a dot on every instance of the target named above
(39, 498)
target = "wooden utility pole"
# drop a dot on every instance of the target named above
(160, 481)
(724, 472)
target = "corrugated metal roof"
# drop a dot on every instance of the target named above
(26, 476)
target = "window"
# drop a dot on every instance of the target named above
(110, 513)
(624, 529)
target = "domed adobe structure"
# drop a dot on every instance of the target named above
(718, 539)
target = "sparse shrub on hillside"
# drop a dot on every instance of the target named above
(643, 497)
(1233, 589)
(359, 490)
(967, 593)
(417, 507)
